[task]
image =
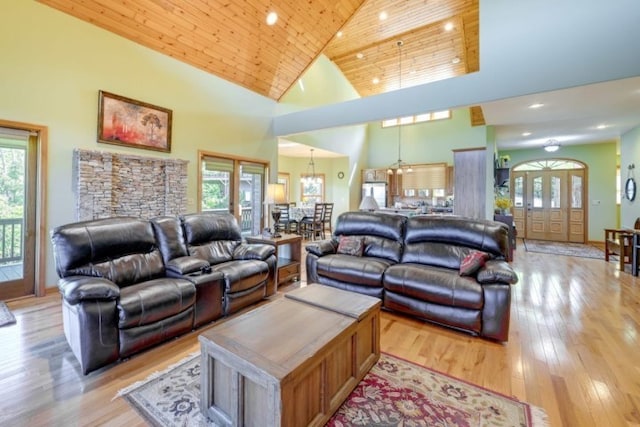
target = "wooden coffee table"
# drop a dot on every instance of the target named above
(291, 362)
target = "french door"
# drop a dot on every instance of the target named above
(549, 204)
(18, 178)
(233, 185)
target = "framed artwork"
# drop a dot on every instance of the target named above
(283, 178)
(125, 121)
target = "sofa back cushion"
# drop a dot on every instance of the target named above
(121, 249)
(212, 237)
(170, 237)
(383, 233)
(444, 241)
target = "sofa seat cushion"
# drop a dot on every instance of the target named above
(437, 285)
(242, 275)
(154, 300)
(363, 271)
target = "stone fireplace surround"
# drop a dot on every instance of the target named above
(113, 184)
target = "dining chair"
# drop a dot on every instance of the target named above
(312, 226)
(326, 219)
(286, 223)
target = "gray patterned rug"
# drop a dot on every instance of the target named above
(560, 248)
(6, 316)
(395, 392)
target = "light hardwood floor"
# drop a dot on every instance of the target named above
(572, 350)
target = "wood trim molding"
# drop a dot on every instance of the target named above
(41, 202)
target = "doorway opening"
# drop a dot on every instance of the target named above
(550, 200)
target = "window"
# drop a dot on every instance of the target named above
(312, 190)
(409, 120)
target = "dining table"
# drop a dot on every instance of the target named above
(298, 213)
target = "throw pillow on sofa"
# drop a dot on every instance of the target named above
(351, 245)
(473, 262)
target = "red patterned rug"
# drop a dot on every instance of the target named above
(394, 393)
(399, 393)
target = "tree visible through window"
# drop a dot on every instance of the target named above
(312, 188)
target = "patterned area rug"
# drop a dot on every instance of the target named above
(394, 393)
(6, 316)
(560, 248)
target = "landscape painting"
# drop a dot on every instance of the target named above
(125, 121)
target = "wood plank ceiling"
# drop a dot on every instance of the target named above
(231, 39)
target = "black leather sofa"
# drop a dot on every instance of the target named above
(413, 265)
(129, 283)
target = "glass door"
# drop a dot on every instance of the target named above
(17, 213)
(549, 200)
(251, 196)
(235, 186)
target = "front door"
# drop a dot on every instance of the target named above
(546, 205)
(549, 204)
(17, 213)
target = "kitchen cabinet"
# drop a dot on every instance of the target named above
(374, 175)
(450, 181)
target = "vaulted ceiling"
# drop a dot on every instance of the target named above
(231, 39)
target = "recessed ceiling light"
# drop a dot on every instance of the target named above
(455, 60)
(526, 133)
(359, 55)
(375, 80)
(448, 26)
(339, 34)
(383, 15)
(272, 18)
(601, 126)
(536, 105)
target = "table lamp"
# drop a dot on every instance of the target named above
(275, 195)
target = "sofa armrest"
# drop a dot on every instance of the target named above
(186, 265)
(256, 251)
(76, 289)
(496, 271)
(322, 248)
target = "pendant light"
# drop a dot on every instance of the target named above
(398, 166)
(310, 178)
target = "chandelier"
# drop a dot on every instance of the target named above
(399, 165)
(310, 178)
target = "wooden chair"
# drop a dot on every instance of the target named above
(620, 242)
(312, 226)
(286, 224)
(326, 219)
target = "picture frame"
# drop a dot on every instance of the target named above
(131, 123)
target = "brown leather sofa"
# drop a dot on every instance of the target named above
(129, 283)
(413, 265)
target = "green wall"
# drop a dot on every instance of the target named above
(336, 189)
(601, 163)
(324, 84)
(630, 154)
(53, 66)
(427, 142)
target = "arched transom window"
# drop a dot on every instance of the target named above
(548, 164)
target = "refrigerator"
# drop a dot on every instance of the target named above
(376, 189)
